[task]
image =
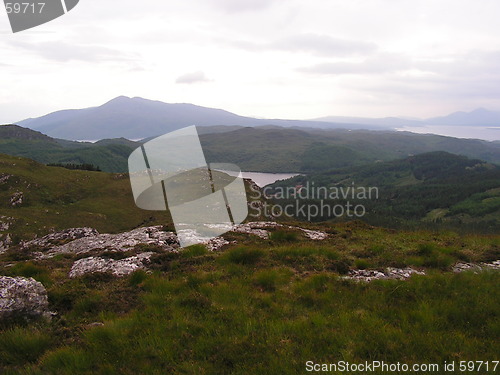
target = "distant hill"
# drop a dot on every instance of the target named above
(20, 133)
(108, 155)
(261, 149)
(298, 150)
(478, 117)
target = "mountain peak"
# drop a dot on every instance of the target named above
(119, 99)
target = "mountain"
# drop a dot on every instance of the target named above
(478, 117)
(383, 123)
(138, 118)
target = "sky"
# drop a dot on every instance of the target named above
(292, 59)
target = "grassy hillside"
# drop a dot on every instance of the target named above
(56, 198)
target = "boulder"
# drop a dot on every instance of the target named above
(118, 268)
(56, 238)
(22, 297)
(153, 236)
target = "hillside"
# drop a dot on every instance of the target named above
(52, 198)
(434, 188)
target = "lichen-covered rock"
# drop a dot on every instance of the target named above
(56, 238)
(461, 267)
(154, 236)
(22, 298)
(4, 178)
(17, 199)
(5, 223)
(118, 268)
(259, 229)
(5, 242)
(388, 274)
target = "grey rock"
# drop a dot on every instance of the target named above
(17, 199)
(258, 228)
(52, 239)
(118, 242)
(22, 297)
(5, 223)
(118, 268)
(4, 178)
(461, 267)
(5, 242)
(388, 274)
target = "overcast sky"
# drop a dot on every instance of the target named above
(265, 58)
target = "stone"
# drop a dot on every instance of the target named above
(17, 199)
(56, 238)
(119, 268)
(388, 274)
(23, 297)
(153, 236)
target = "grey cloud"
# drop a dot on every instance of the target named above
(195, 77)
(61, 51)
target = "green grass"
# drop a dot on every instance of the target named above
(270, 322)
(265, 307)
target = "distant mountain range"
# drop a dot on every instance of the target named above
(478, 117)
(138, 118)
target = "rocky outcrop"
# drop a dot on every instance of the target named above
(17, 199)
(57, 238)
(22, 297)
(154, 236)
(5, 239)
(259, 229)
(4, 178)
(118, 268)
(5, 223)
(5, 242)
(388, 274)
(461, 267)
